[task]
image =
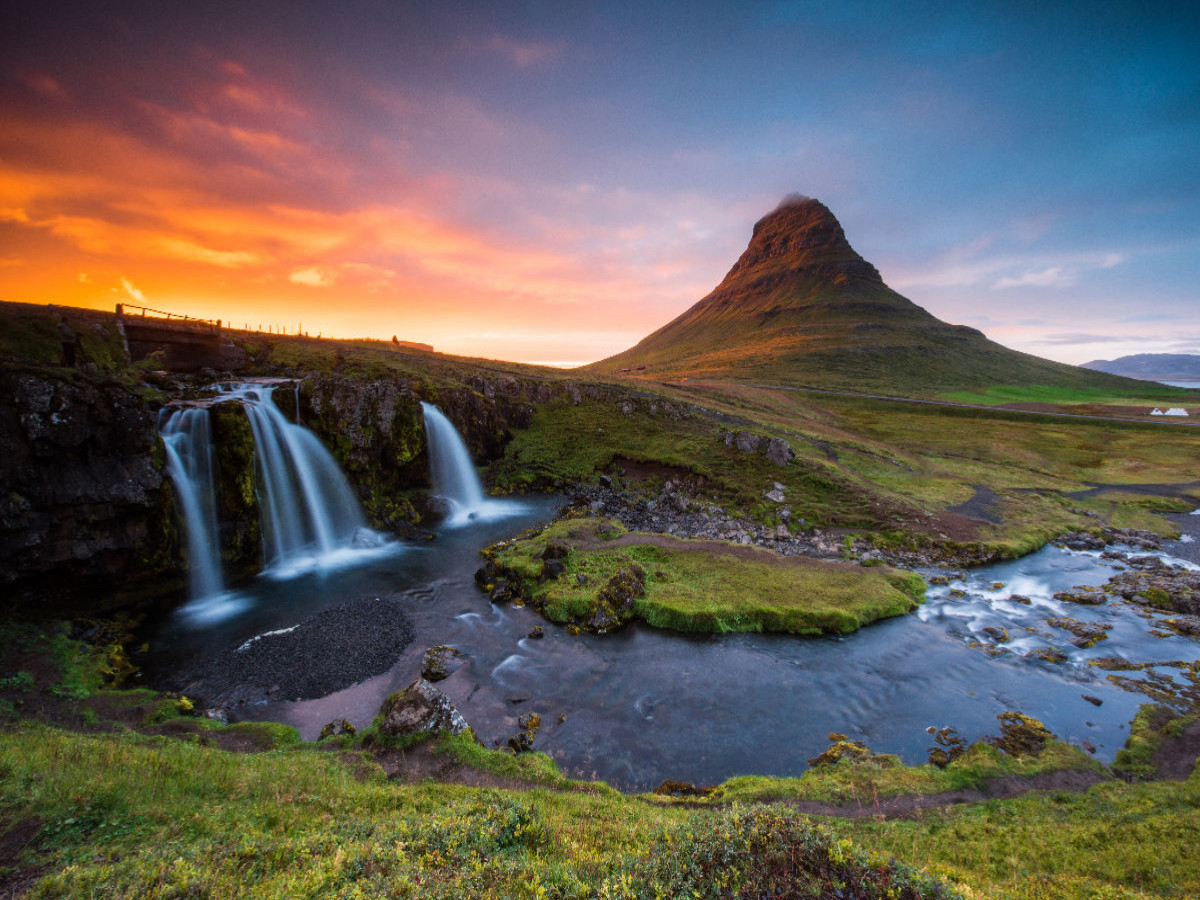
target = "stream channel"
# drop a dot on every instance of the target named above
(640, 706)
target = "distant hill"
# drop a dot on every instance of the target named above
(802, 307)
(1151, 366)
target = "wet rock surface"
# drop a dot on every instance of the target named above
(1152, 582)
(440, 662)
(326, 652)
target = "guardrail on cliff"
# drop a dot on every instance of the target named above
(183, 320)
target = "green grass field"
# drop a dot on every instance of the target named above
(708, 586)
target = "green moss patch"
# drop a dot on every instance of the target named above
(702, 586)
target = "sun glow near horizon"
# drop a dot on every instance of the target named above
(467, 172)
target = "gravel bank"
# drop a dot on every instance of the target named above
(326, 652)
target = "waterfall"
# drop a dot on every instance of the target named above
(187, 439)
(309, 514)
(308, 509)
(453, 473)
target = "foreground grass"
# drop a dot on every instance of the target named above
(707, 586)
(1115, 840)
(128, 816)
(134, 816)
(883, 776)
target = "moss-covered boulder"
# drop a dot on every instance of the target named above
(614, 604)
(419, 708)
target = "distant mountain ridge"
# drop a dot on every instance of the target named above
(800, 306)
(1151, 366)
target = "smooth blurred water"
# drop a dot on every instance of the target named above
(454, 477)
(641, 706)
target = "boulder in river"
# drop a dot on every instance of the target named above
(440, 662)
(420, 707)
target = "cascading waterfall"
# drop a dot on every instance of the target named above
(188, 442)
(454, 477)
(310, 516)
(309, 511)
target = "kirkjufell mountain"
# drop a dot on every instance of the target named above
(801, 307)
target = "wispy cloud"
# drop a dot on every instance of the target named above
(525, 54)
(1080, 338)
(1054, 277)
(312, 276)
(132, 291)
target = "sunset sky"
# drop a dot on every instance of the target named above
(552, 181)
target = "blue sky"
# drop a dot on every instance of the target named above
(553, 181)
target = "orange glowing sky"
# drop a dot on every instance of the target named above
(555, 183)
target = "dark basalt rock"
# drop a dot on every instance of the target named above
(503, 584)
(1086, 634)
(84, 503)
(1083, 596)
(552, 569)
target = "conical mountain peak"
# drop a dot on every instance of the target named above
(802, 234)
(800, 306)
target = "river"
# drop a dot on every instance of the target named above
(640, 706)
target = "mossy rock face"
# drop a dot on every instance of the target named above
(842, 748)
(440, 662)
(1155, 596)
(337, 728)
(237, 488)
(1021, 735)
(502, 583)
(1047, 654)
(522, 741)
(1086, 634)
(614, 605)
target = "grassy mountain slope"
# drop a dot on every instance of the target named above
(802, 307)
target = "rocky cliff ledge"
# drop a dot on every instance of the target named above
(82, 507)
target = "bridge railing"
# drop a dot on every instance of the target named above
(123, 308)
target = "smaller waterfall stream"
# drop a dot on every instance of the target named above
(454, 476)
(188, 442)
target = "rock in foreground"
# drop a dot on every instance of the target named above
(420, 707)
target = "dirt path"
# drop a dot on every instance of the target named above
(586, 539)
(1177, 756)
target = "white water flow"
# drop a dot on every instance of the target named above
(454, 477)
(188, 442)
(308, 509)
